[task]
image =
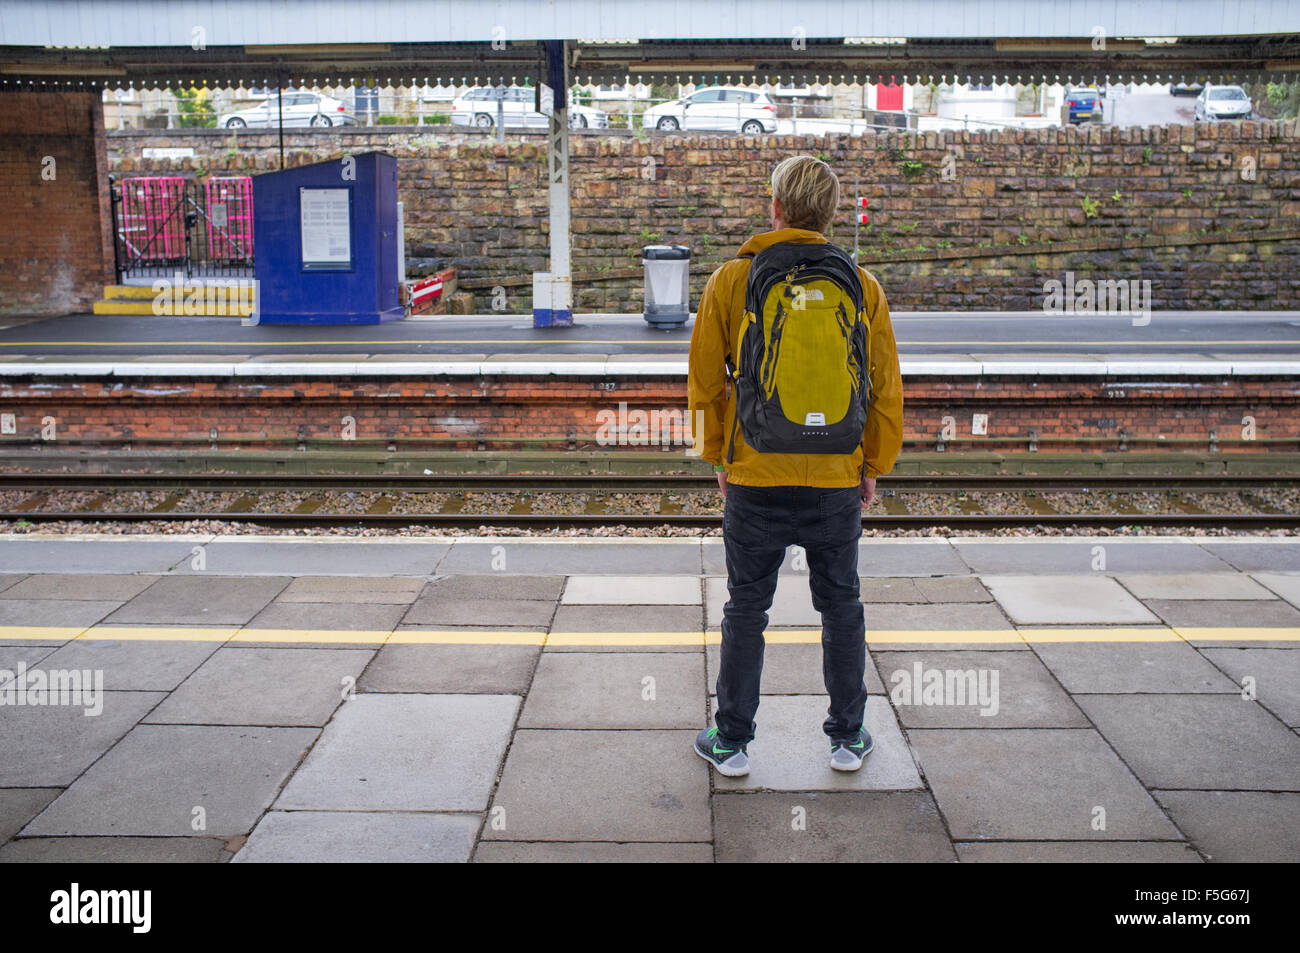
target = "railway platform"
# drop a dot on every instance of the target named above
(255, 699)
(979, 381)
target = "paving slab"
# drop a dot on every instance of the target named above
(951, 625)
(1276, 674)
(84, 554)
(627, 629)
(791, 604)
(1216, 742)
(894, 557)
(452, 669)
(10, 579)
(976, 690)
(632, 591)
(1077, 852)
(1117, 667)
(330, 616)
(150, 783)
(952, 589)
(1280, 556)
(69, 613)
(1238, 826)
(264, 686)
(1286, 585)
(1193, 585)
(1057, 600)
(269, 557)
(50, 746)
(394, 752)
(1035, 784)
(506, 852)
(98, 587)
(350, 837)
(375, 590)
(840, 827)
(20, 805)
(560, 786)
(134, 665)
(909, 557)
(495, 585)
(790, 752)
(1077, 556)
(616, 690)
(115, 850)
(201, 600)
(673, 557)
(891, 589)
(11, 656)
(1225, 613)
(436, 611)
(790, 668)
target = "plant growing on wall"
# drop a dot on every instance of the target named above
(1090, 207)
(195, 109)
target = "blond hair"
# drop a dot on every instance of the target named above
(808, 192)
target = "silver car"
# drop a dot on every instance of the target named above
(478, 107)
(718, 108)
(1223, 102)
(300, 109)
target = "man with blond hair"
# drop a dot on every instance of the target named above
(813, 416)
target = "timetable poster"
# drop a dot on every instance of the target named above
(326, 220)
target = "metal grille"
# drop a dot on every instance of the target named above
(168, 224)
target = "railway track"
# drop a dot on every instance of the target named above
(564, 501)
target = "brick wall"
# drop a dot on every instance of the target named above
(1013, 208)
(56, 252)
(1061, 413)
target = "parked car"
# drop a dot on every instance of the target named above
(300, 109)
(1084, 104)
(722, 108)
(478, 107)
(1222, 102)
(1185, 89)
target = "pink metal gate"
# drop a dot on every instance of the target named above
(153, 218)
(228, 208)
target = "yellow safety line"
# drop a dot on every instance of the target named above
(433, 636)
(1182, 345)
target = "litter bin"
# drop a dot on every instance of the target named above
(667, 285)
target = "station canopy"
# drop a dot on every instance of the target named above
(62, 44)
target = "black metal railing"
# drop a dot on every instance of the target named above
(168, 224)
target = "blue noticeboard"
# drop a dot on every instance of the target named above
(326, 242)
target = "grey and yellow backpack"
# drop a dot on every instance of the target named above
(801, 377)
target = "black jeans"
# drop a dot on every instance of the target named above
(759, 523)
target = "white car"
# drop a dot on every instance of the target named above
(1223, 102)
(478, 107)
(300, 109)
(723, 108)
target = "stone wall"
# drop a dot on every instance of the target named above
(56, 252)
(1210, 214)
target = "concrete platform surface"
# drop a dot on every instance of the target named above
(525, 700)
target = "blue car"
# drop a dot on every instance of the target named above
(1084, 105)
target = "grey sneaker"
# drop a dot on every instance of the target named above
(729, 760)
(849, 755)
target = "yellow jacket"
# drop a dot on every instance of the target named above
(717, 334)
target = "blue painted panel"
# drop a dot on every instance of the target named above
(365, 292)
